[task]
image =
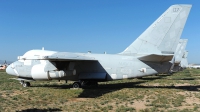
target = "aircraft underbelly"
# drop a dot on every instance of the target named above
(96, 76)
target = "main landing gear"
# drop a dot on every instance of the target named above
(25, 84)
(76, 85)
(80, 84)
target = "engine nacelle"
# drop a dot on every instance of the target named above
(38, 73)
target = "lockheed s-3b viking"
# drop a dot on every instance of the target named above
(147, 55)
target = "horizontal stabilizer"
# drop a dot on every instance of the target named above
(156, 58)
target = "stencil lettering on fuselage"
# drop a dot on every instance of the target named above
(125, 64)
(126, 71)
(27, 62)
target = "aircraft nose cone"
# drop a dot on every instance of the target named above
(10, 70)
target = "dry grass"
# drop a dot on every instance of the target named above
(177, 92)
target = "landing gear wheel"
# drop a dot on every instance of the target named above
(76, 85)
(21, 82)
(95, 84)
(26, 84)
(89, 83)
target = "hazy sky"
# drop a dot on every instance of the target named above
(85, 25)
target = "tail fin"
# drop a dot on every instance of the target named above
(163, 35)
(178, 59)
(185, 54)
(180, 50)
(184, 62)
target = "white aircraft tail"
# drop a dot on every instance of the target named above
(184, 62)
(180, 50)
(185, 54)
(163, 35)
(179, 54)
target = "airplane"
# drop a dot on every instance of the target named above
(147, 55)
(179, 55)
(197, 66)
(184, 62)
(3, 66)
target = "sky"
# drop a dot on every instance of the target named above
(86, 25)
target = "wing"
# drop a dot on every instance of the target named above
(65, 56)
(58, 56)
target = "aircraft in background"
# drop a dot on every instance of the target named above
(3, 66)
(179, 56)
(194, 66)
(147, 55)
(184, 62)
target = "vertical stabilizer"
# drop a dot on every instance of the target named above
(185, 54)
(180, 50)
(163, 35)
(184, 61)
(179, 55)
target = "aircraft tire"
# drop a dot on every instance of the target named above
(26, 84)
(21, 82)
(95, 84)
(89, 83)
(76, 85)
